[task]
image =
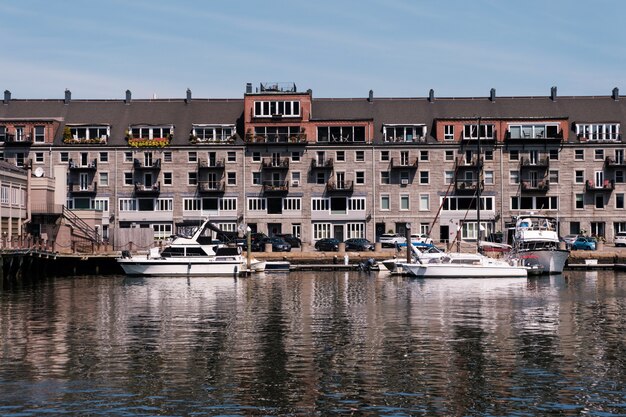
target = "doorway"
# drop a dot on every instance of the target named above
(338, 232)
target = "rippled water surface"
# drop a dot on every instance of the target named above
(315, 344)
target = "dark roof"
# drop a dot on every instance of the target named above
(6, 166)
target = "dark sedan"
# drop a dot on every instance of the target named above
(278, 244)
(294, 241)
(359, 245)
(328, 244)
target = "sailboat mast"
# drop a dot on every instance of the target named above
(478, 185)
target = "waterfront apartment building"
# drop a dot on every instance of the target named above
(280, 160)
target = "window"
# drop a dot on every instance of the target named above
(128, 178)
(489, 177)
(220, 133)
(292, 204)
(619, 201)
(341, 156)
(598, 154)
(320, 178)
(488, 156)
(162, 230)
(384, 202)
(192, 156)
(295, 156)
(449, 156)
(359, 177)
(296, 229)
(128, 204)
(579, 176)
(128, 157)
(256, 178)
(599, 198)
(231, 156)
(103, 179)
(320, 204)
(40, 134)
(553, 154)
(295, 178)
(167, 156)
(167, 178)
(256, 156)
(554, 176)
(101, 204)
(191, 204)
(359, 156)
(88, 134)
(534, 203)
(384, 155)
(231, 178)
(151, 132)
(256, 204)
(341, 134)
(321, 231)
(514, 155)
(164, 204)
(356, 204)
(619, 176)
(192, 178)
(3, 133)
(404, 202)
(64, 157)
(424, 177)
(448, 132)
(531, 131)
(607, 131)
(104, 156)
(356, 230)
(579, 154)
(424, 202)
(471, 131)
(39, 158)
(448, 177)
(396, 133)
(423, 155)
(283, 108)
(384, 177)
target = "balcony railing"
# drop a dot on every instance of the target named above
(144, 189)
(340, 186)
(606, 185)
(540, 138)
(473, 164)
(607, 137)
(537, 163)
(404, 163)
(211, 186)
(483, 139)
(275, 186)
(18, 140)
(617, 163)
(466, 185)
(322, 164)
(212, 141)
(156, 164)
(85, 141)
(211, 163)
(149, 143)
(89, 166)
(531, 185)
(83, 189)
(272, 163)
(276, 139)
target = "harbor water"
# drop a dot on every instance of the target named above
(315, 344)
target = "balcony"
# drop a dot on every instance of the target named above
(611, 162)
(474, 164)
(339, 186)
(89, 166)
(71, 140)
(607, 137)
(277, 187)
(323, 164)
(275, 163)
(154, 165)
(606, 186)
(483, 139)
(466, 185)
(143, 189)
(211, 164)
(534, 185)
(538, 163)
(276, 139)
(78, 189)
(18, 140)
(210, 187)
(229, 140)
(149, 143)
(553, 138)
(404, 163)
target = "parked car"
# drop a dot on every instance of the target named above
(570, 239)
(327, 244)
(358, 245)
(278, 244)
(294, 241)
(620, 239)
(390, 240)
(584, 243)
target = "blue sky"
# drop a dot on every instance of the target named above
(398, 48)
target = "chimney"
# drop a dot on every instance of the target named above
(128, 97)
(7, 96)
(492, 95)
(370, 98)
(553, 94)
(188, 99)
(68, 96)
(431, 96)
(615, 94)
(248, 88)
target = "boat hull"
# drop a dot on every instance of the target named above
(450, 270)
(551, 261)
(183, 267)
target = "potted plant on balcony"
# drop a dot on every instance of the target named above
(67, 135)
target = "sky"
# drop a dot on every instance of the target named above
(336, 48)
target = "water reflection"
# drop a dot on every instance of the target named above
(315, 344)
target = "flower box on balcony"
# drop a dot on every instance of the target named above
(148, 143)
